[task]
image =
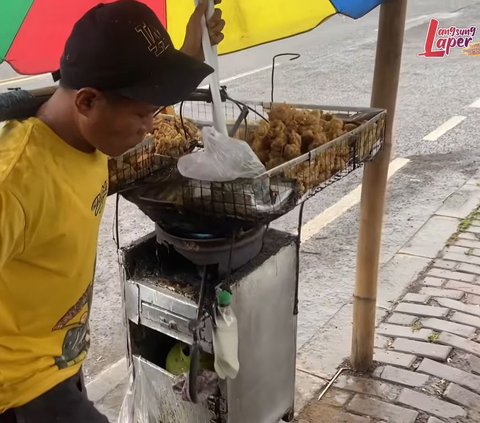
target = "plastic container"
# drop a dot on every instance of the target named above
(225, 338)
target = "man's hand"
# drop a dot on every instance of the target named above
(193, 38)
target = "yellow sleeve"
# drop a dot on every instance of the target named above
(12, 227)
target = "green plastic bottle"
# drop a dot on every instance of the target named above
(178, 360)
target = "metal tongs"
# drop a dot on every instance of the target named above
(196, 349)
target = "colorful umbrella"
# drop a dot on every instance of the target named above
(33, 32)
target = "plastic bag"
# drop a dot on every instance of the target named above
(151, 398)
(223, 159)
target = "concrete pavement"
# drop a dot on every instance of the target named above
(427, 354)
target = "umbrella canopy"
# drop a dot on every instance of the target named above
(33, 32)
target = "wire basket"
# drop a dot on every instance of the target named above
(142, 160)
(267, 196)
(132, 166)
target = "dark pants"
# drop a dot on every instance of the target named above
(65, 403)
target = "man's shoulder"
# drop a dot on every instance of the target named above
(14, 139)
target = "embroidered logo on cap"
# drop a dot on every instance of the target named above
(156, 42)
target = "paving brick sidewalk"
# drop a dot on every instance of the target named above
(427, 350)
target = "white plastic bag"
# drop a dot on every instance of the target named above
(223, 159)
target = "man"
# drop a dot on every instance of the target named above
(118, 67)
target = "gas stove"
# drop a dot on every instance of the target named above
(227, 252)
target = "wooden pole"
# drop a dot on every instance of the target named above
(384, 95)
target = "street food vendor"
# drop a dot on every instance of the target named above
(118, 67)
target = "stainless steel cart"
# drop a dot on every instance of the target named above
(201, 223)
(159, 309)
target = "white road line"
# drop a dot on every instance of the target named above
(244, 74)
(314, 226)
(444, 128)
(419, 20)
(21, 80)
(252, 72)
(475, 104)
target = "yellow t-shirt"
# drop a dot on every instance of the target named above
(51, 201)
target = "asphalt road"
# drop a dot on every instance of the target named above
(336, 68)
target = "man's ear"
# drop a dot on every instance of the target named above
(86, 98)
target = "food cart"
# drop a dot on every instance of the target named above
(209, 235)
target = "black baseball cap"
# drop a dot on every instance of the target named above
(123, 48)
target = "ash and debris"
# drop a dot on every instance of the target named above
(142, 264)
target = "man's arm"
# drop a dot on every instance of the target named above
(12, 227)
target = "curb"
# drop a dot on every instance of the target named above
(316, 358)
(107, 380)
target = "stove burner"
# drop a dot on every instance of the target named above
(202, 236)
(208, 249)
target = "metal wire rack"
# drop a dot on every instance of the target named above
(265, 197)
(133, 166)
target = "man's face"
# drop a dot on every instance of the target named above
(112, 124)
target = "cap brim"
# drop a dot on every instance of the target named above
(177, 78)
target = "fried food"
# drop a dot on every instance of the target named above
(172, 138)
(292, 132)
(291, 151)
(318, 139)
